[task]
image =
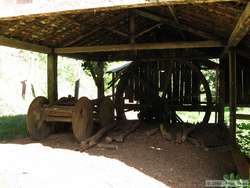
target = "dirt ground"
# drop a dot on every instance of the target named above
(172, 165)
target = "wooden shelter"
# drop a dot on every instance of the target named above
(163, 30)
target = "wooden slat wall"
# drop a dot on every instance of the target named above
(184, 86)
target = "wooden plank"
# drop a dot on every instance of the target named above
(132, 26)
(14, 43)
(115, 31)
(141, 46)
(243, 116)
(81, 37)
(59, 111)
(172, 12)
(232, 93)
(191, 108)
(52, 77)
(240, 31)
(148, 30)
(58, 119)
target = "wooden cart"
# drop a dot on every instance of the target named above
(81, 114)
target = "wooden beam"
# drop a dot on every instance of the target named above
(172, 12)
(14, 43)
(147, 30)
(243, 116)
(132, 26)
(117, 32)
(142, 46)
(240, 31)
(81, 37)
(232, 92)
(221, 116)
(52, 77)
(164, 20)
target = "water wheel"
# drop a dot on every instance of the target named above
(82, 120)
(37, 126)
(154, 98)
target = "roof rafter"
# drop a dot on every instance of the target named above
(172, 12)
(162, 19)
(240, 31)
(14, 43)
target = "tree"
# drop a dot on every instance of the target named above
(96, 70)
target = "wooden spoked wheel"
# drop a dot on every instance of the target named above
(37, 126)
(106, 112)
(82, 120)
(146, 85)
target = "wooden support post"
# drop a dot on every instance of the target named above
(113, 87)
(232, 92)
(52, 77)
(132, 26)
(100, 80)
(221, 92)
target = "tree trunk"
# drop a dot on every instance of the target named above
(100, 80)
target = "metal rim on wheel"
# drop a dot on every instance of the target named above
(82, 120)
(37, 126)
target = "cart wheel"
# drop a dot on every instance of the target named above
(106, 112)
(82, 120)
(37, 127)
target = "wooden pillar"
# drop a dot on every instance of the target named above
(232, 92)
(221, 117)
(100, 80)
(52, 77)
(113, 87)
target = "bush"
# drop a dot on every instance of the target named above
(243, 138)
(12, 127)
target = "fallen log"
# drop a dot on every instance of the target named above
(107, 146)
(93, 140)
(165, 133)
(121, 137)
(152, 132)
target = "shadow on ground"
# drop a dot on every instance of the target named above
(172, 165)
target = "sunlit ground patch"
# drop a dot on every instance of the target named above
(35, 165)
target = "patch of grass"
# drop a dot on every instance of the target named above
(12, 127)
(243, 138)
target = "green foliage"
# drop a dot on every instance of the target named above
(66, 71)
(243, 138)
(210, 76)
(12, 127)
(91, 69)
(234, 180)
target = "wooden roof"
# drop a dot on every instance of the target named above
(153, 23)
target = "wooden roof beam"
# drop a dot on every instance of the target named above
(165, 20)
(115, 31)
(172, 12)
(240, 31)
(148, 30)
(142, 46)
(14, 43)
(81, 37)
